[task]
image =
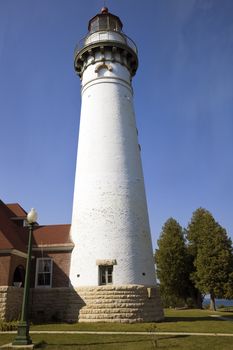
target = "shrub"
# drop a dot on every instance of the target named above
(8, 326)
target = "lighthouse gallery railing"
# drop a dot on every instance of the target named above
(106, 36)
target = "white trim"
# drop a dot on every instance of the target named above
(108, 80)
(19, 253)
(13, 252)
(51, 273)
(53, 247)
(106, 262)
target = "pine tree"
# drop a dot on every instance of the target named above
(171, 259)
(212, 255)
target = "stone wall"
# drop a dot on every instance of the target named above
(55, 304)
(10, 303)
(46, 304)
(129, 304)
(126, 304)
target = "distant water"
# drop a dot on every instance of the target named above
(219, 302)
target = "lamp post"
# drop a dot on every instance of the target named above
(23, 337)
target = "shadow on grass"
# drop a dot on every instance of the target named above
(44, 345)
(41, 345)
(194, 318)
(173, 336)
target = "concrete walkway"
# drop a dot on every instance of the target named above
(222, 318)
(122, 333)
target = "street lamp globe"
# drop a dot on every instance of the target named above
(32, 216)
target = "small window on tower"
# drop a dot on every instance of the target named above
(105, 274)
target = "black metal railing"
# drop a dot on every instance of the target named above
(106, 36)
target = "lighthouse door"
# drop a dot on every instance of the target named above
(105, 274)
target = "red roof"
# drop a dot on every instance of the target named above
(52, 234)
(10, 233)
(14, 237)
(16, 209)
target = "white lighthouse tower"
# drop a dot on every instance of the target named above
(110, 226)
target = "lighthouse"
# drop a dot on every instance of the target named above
(110, 229)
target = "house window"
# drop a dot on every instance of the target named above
(19, 276)
(44, 272)
(105, 274)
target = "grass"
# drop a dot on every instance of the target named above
(125, 342)
(176, 321)
(196, 321)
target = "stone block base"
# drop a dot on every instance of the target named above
(126, 304)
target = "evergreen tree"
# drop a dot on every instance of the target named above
(212, 255)
(228, 288)
(171, 259)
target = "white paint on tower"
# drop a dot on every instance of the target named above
(110, 225)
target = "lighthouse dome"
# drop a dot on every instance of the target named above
(105, 21)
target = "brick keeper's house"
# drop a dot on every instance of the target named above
(51, 250)
(51, 253)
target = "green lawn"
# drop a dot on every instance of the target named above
(176, 320)
(125, 342)
(196, 321)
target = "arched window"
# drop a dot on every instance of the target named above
(19, 276)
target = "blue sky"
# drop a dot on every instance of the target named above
(183, 103)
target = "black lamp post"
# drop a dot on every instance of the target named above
(23, 337)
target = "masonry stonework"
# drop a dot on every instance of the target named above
(10, 303)
(125, 304)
